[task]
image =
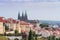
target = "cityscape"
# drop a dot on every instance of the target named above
(29, 19)
(24, 29)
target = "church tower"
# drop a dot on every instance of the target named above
(23, 18)
(18, 15)
(26, 17)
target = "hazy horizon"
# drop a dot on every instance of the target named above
(36, 9)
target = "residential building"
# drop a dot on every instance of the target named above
(25, 26)
(2, 28)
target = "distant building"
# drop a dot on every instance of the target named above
(45, 33)
(12, 25)
(19, 25)
(24, 17)
(55, 26)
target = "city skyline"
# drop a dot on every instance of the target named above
(35, 10)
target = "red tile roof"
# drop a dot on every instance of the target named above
(14, 21)
(10, 19)
(24, 23)
(6, 21)
(1, 19)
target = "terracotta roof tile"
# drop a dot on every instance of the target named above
(24, 23)
(6, 21)
(14, 21)
(1, 19)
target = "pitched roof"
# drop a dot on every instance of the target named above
(14, 21)
(1, 19)
(6, 21)
(24, 23)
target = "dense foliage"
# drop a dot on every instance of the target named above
(31, 37)
(6, 27)
(44, 25)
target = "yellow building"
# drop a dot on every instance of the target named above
(2, 28)
(25, 27)
(18, 26)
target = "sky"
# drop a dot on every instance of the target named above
(36, 9)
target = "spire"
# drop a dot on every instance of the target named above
(18, 15)
(26, 18)
(22, 16)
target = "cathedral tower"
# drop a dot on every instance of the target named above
(23, 17)
(26, 17)
(18, 15)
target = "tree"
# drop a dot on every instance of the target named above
(59, 38)
(44, 25)
(48, 38)
(51, 38)
(36, 36)
(30, 37)
(6, 27)
(16, 31)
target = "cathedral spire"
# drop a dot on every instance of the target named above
(26, 18)
(18, 15)
(23, 16)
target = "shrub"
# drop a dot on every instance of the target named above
(9, 34)
(16, 32)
